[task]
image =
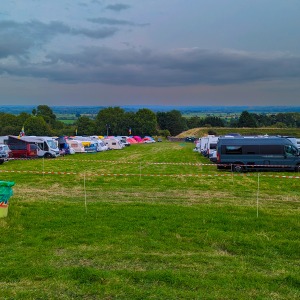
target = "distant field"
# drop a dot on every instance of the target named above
(152, 221)
(69, 122)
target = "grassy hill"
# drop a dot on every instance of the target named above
(198, 132)
(152, 221)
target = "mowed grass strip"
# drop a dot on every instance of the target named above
(97, 237)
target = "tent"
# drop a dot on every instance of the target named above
(131, 140)
(138, 138)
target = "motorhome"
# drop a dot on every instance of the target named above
(47, 146)
(197, 146)
(207, 144)
(4, 153)
(100, 144)
(257, 153)
(123, 140)
(4, 148)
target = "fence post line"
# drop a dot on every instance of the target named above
(43, 166)
(257, 195)
(85, 204)
(140, 171)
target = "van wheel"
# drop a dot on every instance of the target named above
(238, 167)
(47, 155)
(297, 169)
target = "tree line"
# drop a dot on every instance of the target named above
(116, 121)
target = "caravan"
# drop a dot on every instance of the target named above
(113, 143)
(76, 145)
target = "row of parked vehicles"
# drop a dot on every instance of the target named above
(51, 147)
(245, 153)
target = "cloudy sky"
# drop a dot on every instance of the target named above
(166, 52)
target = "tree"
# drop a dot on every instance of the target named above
(214, 121)
(22, 117)
(9, 124)
(46, 112)
(194, 122)
(173, 121)
(85, 126)
(37, 126)
(146, 122)
(111, 120)
(247, 120)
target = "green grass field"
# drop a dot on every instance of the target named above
(152, 221)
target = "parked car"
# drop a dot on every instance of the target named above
(190, 139)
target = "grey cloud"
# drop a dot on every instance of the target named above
(118, 6)
(18, 38)
(96, 1)
(147, 68)
(109, 21)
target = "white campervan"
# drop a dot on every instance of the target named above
(208, 143)
(47, 146)
(101, 146)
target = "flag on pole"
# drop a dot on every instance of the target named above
(129, 131)
(22, 133)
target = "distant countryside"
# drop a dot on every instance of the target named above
(153, 120)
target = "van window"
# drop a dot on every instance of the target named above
(271, 149)
(33, 147)
(17, 146)
(232, 149)
(251, 149)
(213, 146)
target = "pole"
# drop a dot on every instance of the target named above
(84, 193)
(140, 171)
(257, 195)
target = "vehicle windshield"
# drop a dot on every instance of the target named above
(291, 150)
(52, 144)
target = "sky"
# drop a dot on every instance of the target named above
(150, 52)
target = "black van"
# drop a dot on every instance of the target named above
(259, 153)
